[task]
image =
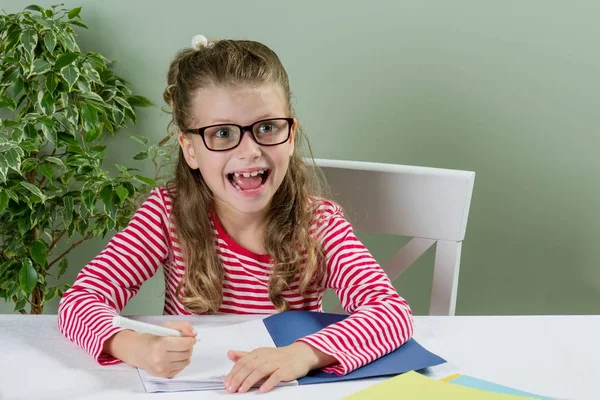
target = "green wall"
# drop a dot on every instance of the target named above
(508, 89)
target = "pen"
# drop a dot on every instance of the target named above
(143, 327)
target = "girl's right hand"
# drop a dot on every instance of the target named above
(166, 356)
(161, 356)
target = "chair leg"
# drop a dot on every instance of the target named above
(445, 278)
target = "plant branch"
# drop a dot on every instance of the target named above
(77, 243)
(55, 240)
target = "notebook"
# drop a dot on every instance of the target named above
(210, 365)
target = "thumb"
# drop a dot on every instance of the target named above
(235, 355)
(184, 327)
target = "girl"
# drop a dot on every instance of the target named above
(240, 229)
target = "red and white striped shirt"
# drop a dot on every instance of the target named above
(380, 321)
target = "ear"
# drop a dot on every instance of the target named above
(293, 136)
(188, 150)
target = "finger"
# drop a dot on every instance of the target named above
(260, 372)
(179, 365)
(235, 355)
(184, 327)
(174, 373)
(173, 356)
(238, 373)
(179, 343)
(271, 382)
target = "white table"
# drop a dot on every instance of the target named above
(556, 356)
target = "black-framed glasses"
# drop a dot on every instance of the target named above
(266, 132)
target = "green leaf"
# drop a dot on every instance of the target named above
(32, 133)
(49, 131)
(62, 267)
(89, 200)
(145, 180)
(43, 22)
(47, 103)
(50, 41)
(3, 201)
(140, 139)
(41, 66)
(51, 83)
(28, 165)
(92, 74)
(38, 252)
(3, 168)
(67, 210)
(50, 294)
(47, 171)
(83, 86)
(6, 266)
(70, 73)
(34, 190)
(142, 155)
(90, 115)
(18, 87)
(81, 24)
(106, 195)
(12, 40)
(122, 192)
(92, 135)
(66, 39)
(19, 305)
(55, 160)
(13, 195)
(117, 116)
(37, 216)
(29, 40)
(74, 12)
(27, 276)
(13, 159)
(93, 96)
(65, 123)
(10, 75)
(65, 59)
(139, 101)
(7, 102)
(35, 8)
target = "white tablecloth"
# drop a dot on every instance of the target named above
(557, 356)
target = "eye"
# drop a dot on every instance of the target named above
(222, 133)
(267, 127)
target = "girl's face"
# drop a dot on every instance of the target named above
(245, 178)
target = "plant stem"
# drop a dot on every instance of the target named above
(55, 240)
(77, 243)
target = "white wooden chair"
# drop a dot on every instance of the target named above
(430, 205)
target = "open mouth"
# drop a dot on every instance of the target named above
(249, 180)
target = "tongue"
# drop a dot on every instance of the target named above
(252, 182)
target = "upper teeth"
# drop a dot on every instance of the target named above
(248, 174)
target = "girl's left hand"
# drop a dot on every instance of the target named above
(276, 365)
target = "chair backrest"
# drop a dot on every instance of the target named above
(431, 205)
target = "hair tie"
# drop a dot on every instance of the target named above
(199, 41)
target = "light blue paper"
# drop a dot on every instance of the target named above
(469, 381)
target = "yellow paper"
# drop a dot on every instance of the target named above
(414, 386)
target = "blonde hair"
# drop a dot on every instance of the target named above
(295, 253)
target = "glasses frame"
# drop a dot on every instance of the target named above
(244, 129)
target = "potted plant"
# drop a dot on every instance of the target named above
(57, 107)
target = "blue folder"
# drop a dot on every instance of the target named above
(288, 326)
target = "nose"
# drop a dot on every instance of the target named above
(248, 148)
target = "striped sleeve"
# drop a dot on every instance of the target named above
(105, 285)
(380, 320)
